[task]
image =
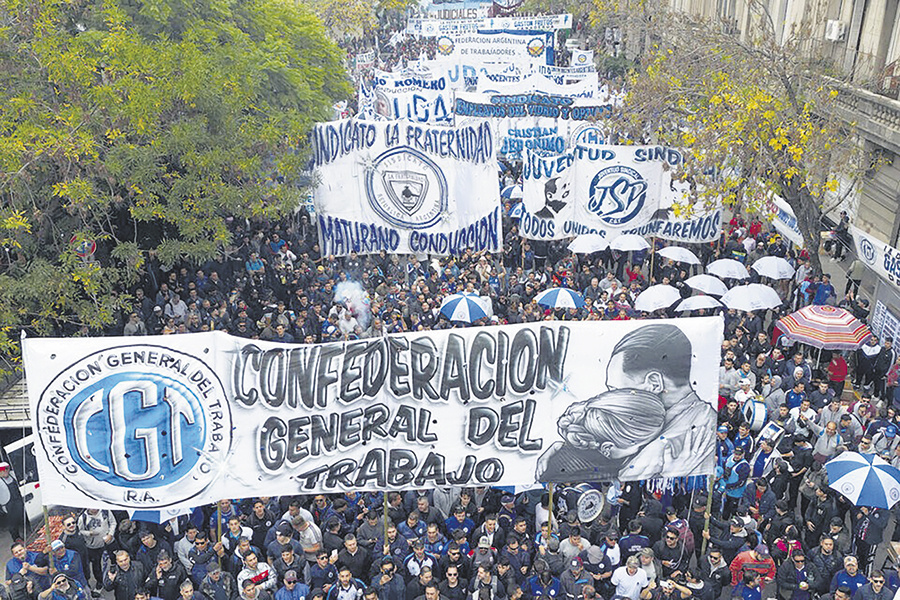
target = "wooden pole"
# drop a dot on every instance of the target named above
(550, 506)
(384, 517)
(709, 499)
(47, 536)
(219, 528)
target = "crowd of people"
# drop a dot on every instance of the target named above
(772, 516)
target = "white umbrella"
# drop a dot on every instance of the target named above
(656, 297)
(707, 284)
(697, 302)
(773, 267)
(751, 297)
(728, 268)
(629, 242)
(588, 243)
(679, 254)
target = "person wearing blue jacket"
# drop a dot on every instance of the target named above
(292, 588)
(388, 583)
(543, 584)
(67, 562)
(734, 480)
(760, 501)
(849, 576)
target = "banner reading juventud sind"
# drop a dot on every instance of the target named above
(184, 420)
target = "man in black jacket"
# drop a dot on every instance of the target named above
(166, 579)
(125, 577)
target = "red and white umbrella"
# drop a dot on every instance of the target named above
(825, 327)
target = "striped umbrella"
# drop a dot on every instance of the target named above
(864, 479)
(825, 327)
(560, 298)
(462, 307)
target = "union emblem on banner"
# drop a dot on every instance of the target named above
(406, 188)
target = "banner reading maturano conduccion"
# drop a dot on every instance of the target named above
(185, 420)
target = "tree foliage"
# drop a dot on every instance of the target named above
(756, 115)
(142, 127)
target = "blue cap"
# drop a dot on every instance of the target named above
(722, 429)
(890, 431)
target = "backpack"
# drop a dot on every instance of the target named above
(685, 535)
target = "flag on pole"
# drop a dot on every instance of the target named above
(582, 58)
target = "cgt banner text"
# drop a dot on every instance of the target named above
(186, 420)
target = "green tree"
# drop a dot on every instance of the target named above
(756, 113)
(143, 126)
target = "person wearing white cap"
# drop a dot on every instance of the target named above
(11, 503)
(745, 391)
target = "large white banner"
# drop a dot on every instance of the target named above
(523, 49)
(567, 75)
(419, 98)
(468, 104)
(605, 190)
(465, 74)
(404, 188)
(535, 83)
(882, 258)
(184, 420)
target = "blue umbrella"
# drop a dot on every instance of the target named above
(865, 479)
(560, 298)
(517, 211)
(463, 307)
(511, 192)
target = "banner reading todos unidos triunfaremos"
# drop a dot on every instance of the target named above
(183, 420)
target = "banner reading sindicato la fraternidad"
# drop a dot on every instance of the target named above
(173, 421)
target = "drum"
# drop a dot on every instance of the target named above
(755, 415)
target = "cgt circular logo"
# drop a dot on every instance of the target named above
(136, 425)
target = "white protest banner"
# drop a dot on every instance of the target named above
(582, 58)
(465, 74)
(605, 190)
(535, 23)
(703, 225)
(469, 104)
(414, 97)
(538, 134)
(568, 75)
(783, 219)
(457, 9)
(523, 49)
(180, 421)
(365, 61)
(882, 258)
(535, 83)
(404, 188)
(436, 27)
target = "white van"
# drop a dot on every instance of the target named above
(21, 459)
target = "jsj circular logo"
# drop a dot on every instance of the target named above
(868, 250)
(137, 424)
(617, 194)
(445, 45)
(406, 188)
(581, 59)
(535, 47)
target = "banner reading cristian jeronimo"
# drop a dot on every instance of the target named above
(404, 188)
(184, 420)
